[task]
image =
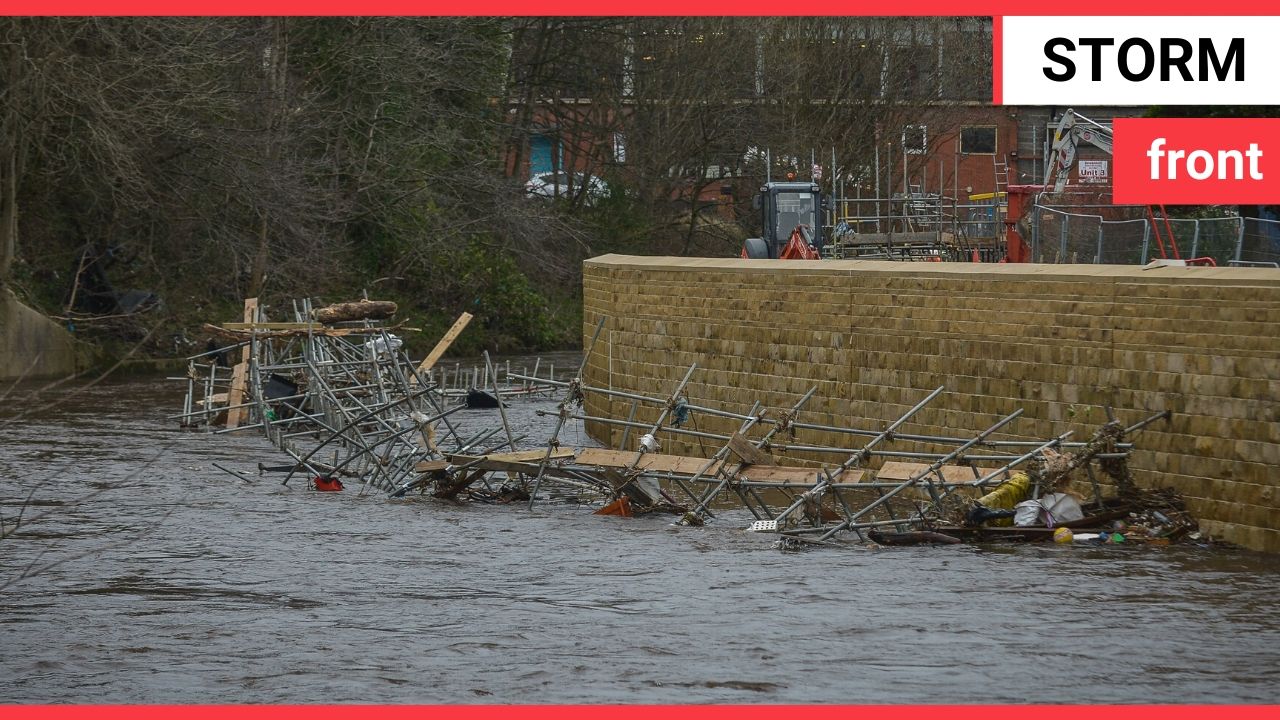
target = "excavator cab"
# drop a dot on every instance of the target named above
(791, 222)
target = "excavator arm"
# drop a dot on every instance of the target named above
(1072, 130)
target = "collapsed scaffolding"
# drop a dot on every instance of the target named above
(333, 389)
(344, 402)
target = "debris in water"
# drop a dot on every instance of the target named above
(334, 390)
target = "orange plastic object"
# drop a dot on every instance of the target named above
(324, 484)
(621, 506)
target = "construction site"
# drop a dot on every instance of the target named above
(797, 428)
(987, 397)
(1053, 207)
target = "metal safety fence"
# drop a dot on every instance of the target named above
(1058, 236)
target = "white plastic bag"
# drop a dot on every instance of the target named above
(1049, 511)
(1027, 513)
(379, 347)
(1061, 508)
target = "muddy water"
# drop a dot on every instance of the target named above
(185, 584)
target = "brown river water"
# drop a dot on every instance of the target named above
(158, 578)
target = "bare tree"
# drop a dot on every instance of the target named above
(693, 97)
(252, 156)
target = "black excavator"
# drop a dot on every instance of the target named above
(791, 222)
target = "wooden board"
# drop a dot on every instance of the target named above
(301, 330)
(236, 396)
(521, 462)
(521, 456)
(272, 326)
(677, 464)
(436, 352)
(902, 471)
(749, 453)
(802, 476)
(215, 400)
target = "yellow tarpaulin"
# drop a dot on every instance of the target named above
(1006, 496)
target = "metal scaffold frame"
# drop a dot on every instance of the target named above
(344, 403)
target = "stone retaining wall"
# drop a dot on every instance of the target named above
(1060, 341)
(32, 345)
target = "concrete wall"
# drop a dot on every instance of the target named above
(32, 345)
(1059, 341)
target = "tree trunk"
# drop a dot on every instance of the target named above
(8, 214)
(258, 274)
(9, 176)
(277, 85)
(359, 310)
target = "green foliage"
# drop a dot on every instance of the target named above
(512, 313)
(286, 157)
(621, 224)
(1080, 413)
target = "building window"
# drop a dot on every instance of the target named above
(619, 148)
(915, 139)
(980, 140)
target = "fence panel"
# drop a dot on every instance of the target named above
(1060, 236)
(1080, 241)
(1049, 227)
(1218, 239)
(1124, 242)
(1184, 237)
(1260, 241)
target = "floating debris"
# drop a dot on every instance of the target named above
(335, 393)
(345, 403)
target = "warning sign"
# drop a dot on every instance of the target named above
(1094, 171)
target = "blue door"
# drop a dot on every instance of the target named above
(540, 155)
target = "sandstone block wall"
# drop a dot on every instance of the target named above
(1060, 341)
(33, 346)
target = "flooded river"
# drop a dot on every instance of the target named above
(159, 578)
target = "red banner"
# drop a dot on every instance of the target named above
(1197, 161)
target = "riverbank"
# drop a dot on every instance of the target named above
(32, 346)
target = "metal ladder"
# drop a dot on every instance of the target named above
(1001, 169)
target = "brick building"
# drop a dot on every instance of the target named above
(909, 103)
